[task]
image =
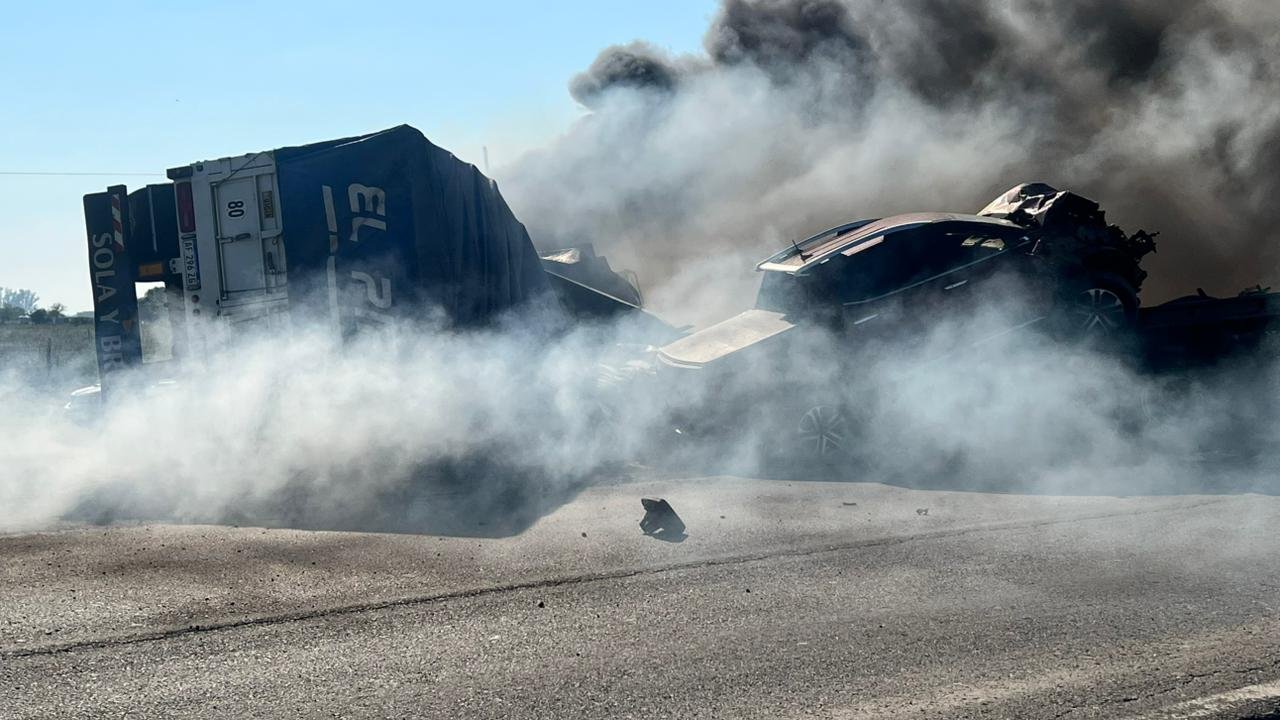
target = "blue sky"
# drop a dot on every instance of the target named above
(142, 86)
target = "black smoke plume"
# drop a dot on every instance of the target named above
(801, 114)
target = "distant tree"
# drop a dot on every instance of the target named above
(10, 313)
(22, 298)
(39, 316)
(151, 306)
(57, 311)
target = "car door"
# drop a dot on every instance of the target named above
(927, 285)
(972, 297)
(881, 284)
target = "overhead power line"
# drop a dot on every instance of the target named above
(36, 172)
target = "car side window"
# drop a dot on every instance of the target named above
(911, 256)
(875, 271)
(951, 246)
(980, 243)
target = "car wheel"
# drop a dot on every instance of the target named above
(1099, 309)
(1102, 309)
(824, 433)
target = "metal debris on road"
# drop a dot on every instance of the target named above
(661, 521)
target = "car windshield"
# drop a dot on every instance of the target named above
(787, 293)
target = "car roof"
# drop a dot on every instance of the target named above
(819, 248)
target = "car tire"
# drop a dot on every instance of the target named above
(1102, 308)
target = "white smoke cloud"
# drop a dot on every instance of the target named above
(418, 429)
(800, 116)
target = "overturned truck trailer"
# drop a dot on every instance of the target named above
(350, 233)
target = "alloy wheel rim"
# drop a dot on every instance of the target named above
(823, 430)
(1099, 310)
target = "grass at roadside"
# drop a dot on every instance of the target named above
(61, 357)
(48, 356)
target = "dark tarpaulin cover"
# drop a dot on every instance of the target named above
(389, 225)
(582, 265)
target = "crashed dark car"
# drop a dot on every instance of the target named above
(1043, 258)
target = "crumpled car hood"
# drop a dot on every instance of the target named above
(724, 338)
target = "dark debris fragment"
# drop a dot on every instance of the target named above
(661, 521)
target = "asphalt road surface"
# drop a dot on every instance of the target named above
(784, 600)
